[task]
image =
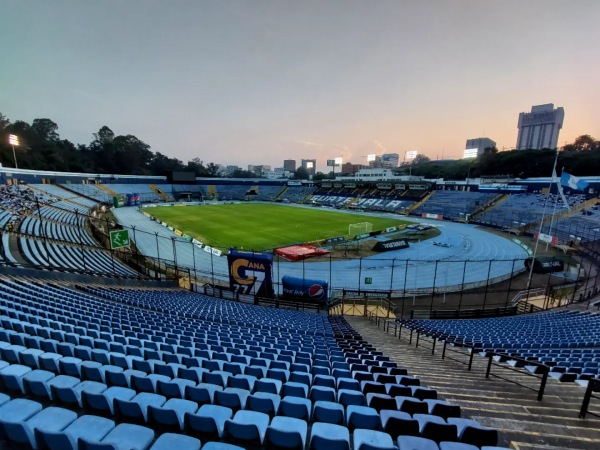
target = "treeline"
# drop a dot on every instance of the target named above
(581, 158)
(41, 148)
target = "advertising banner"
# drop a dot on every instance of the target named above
(394, 244)
(251, 273)
(305, 289)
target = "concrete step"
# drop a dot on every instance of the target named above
(544, 433)
(523, 422)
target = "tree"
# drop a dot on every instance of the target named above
(301, 173)
(212, 169)
(45, 130)
(104, 136)
(323, 176)
(585, 142)
(421, 159)
(241, 173)
(4, 122)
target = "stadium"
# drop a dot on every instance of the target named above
(168, 312)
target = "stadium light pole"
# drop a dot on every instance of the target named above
(13, 140)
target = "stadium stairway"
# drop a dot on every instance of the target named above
(283, 191)
(523, 422)
(415, 205)
(488, 206)
(109, 191)
(163, 196)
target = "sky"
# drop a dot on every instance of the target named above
(257, 82)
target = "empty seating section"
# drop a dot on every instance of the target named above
(583, 227)
(231, 192)
(295, 194)
(173, 373)
(454, 204)
(54, 191)
(266, 193)
(93, 191)
(47, 242)
(197, 191)
(521, 209)
(566, 341)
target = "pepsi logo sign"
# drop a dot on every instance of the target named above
(316, 291)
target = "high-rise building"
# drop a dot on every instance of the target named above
(476, 147)
(310, 165)
(289, 165)
(390, 160)
(539, 128)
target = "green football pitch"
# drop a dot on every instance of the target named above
(257, 226)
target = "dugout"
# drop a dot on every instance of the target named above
(545, 264)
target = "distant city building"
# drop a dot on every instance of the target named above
(377, 174)
(281, 172)
(539, 128)
(476, 147)
(259, 169)
(390, 160)
(289, 165)
(310, 165)
(230, 169)
(349, 168)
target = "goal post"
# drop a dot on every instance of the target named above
(359, 228)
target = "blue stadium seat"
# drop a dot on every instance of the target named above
(397, 423)
(442, 408)
(172, 413)
(328, 412)
(457, 446)
(416, 443)
(348, 397)
(264, 402)
(209, 420)
(233, 398)
(220, 446)
(22, 430)
(247, 426)
(103, 402)
(294, 389)
(362, 417)
(327, 436)
(471, 432)
(436, 428)
(170, 441)
(137, 407)
(203, 393)
(132, 437)
(372, 440)
(93, 428)
(299, 408)
(286, 433)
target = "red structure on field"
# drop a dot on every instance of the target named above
(300, 252)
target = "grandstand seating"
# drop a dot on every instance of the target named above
(194, 369)
(567, 341)
(522, 209)
(453, 204)
(583, 227)
(295, 194)
(91, 190)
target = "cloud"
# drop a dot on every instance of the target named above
(309, 143)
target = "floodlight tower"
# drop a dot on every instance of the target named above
(13, 140)
(337, 161)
